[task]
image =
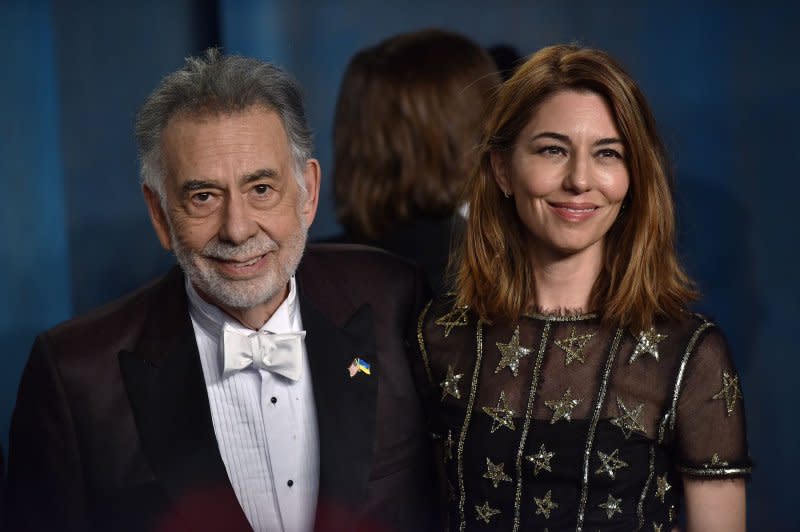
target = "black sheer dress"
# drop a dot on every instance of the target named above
(555, 423)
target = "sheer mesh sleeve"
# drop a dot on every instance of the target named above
(709, 421)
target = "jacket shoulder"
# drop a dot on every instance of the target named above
(356, 258)
(116, 324)
(339, 278)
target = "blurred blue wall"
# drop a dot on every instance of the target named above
(35, 283)
(723, 82)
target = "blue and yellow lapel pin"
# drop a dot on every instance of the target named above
(358, 364)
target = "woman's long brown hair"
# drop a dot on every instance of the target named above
(641, 276)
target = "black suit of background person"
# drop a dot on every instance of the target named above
(113, 429)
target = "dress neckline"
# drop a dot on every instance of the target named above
(561, 316)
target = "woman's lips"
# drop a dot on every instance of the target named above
(574, 212)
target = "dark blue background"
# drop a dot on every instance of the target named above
(723, 81)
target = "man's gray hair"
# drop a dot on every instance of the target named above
(218, 84)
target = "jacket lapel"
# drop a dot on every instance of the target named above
(164, 380)
(346, 406)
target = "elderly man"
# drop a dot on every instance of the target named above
(256, 386)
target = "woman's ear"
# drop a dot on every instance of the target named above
(500, 173)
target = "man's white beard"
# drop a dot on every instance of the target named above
(243, 294)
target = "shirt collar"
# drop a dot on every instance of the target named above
(212, 319)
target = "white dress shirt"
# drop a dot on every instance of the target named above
(265, 424)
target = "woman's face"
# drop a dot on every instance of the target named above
(567, 173)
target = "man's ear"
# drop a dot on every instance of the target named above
(311, 177)
(157, 216)
(500, 171)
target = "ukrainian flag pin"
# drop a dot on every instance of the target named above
(358, 364)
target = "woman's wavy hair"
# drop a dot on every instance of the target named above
(406, 128)
(641, 277)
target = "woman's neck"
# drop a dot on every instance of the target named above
(564, 282)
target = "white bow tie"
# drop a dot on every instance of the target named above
(278, 353)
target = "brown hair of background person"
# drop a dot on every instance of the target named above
(407, 122)
(641, 276)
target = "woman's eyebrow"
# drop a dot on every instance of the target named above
(551, 135)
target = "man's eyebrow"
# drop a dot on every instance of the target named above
(198, 184)
(264, 173)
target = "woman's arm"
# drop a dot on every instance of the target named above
(714, 505)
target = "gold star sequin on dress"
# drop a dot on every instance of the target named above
(631, 419)
(611, 506)
(457, 317)
(562, 408)
(450, 383)
(541, 460)
(486, 512)
(657, 527)
(545, 505)
(715, 462)
(730, 391)
(495, 473)
(573, 346)
(610, 463)
(647, 344)
(662, 487)
(501, 415)
(511, 353)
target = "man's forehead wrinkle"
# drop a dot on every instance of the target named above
(225, 150)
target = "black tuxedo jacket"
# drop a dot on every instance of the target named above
(112, 429)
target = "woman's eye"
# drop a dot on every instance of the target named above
(610, 153)
(552, 150)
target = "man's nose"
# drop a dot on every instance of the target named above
(237, 224)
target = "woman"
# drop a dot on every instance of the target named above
(407, 122)
(571, 387)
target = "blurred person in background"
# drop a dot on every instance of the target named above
(407, 123)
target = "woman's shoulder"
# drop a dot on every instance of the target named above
(683, 334)
(687, 323)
